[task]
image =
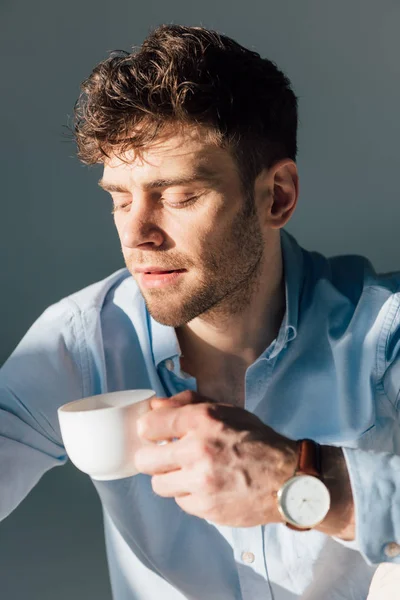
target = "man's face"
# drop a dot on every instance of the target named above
(180, 207)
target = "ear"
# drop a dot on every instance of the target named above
(277, 190)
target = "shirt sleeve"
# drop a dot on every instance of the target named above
(43, 372)
(375, 481)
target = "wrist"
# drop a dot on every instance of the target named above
(322, 482)
(340, 520)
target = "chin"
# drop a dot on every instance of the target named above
(175, 308)
(169, 319)
(173, 312)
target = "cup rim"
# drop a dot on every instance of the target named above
(66, 408)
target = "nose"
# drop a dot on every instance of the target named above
(139, 226)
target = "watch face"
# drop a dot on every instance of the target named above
(304, 501)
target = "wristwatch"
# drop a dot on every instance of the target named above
(304, 499)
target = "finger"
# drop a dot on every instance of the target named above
(181, 399)
(194, 504)
(171, 485)
(157, 403)
(153, 460)
(172, 422)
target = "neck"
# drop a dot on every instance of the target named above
(225, 340)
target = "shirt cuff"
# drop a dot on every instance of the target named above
(375, 483)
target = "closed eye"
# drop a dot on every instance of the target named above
(182, 203)
(118, 207)
(125, 200)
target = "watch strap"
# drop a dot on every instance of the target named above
(309, 458)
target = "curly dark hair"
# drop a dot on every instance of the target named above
(184, 76)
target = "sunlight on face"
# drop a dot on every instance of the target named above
(180, 206)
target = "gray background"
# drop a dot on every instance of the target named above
(57, 233)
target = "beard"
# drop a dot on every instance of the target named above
(230, 271)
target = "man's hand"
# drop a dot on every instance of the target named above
(226, 465)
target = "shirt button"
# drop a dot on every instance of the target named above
(169, 363)
(248, 557)
(392, 550)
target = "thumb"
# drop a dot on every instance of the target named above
(181, 399)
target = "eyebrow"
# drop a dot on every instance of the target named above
(202, 174)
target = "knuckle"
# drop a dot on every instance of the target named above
(206, 415)
(206, 481)
(207, 478)
(203, 450)
(188, 414)
(203, 411)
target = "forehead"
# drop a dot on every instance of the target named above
(188, 151)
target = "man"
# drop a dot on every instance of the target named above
(276, 370)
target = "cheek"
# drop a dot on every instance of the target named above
(217, 230)
(191, 234)
(118, 225)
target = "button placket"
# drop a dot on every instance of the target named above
(249, 556)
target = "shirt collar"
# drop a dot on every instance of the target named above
(292, 256)
(165, 342)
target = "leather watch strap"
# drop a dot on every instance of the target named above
(309, 462)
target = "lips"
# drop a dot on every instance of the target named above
(160, 272)
(159, 279)
(156, 270)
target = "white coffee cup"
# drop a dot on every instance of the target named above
(99, 432)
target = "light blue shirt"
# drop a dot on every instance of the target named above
(332, 375)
